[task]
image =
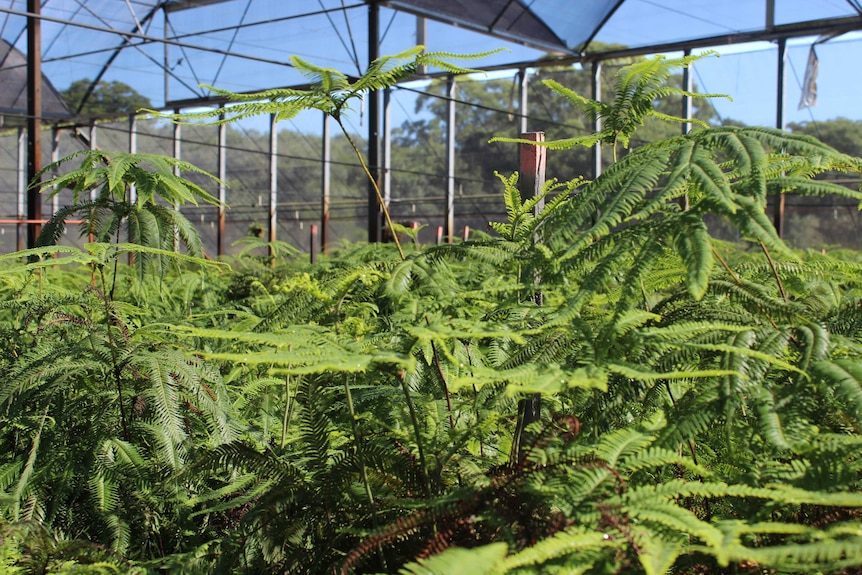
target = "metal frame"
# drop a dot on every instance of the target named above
(770, 32)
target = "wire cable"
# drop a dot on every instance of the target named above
(232, 40)
(338, 33)
(352, 40)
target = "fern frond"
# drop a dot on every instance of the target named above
(483, 560)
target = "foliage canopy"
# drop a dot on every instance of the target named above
(701, 402)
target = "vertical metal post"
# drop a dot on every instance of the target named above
(312, 244)
(597, 126)
(221, 167)
(133, 149)
(421, 34)
(167, 63)
(451, 90)
(176, 143)
(374, 209)
(387, 146)
(325, 184)
(55, 156)
(523, 108)
(778, 207)
(273, 180)
(177, 153)
(93, 136)
(34, 119)
(22, 230)
(688, 86)
(770, 14)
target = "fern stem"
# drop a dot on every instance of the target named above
(416, 430)
(373, 181)
(726, 267)
(115, 368)
(442, 377)
(774, 272)
(288, 409)
(27, 471)
(363, 472)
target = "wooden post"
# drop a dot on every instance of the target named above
(530, 184)
(533, 162)
(312, 243)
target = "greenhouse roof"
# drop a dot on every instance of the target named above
(170, 49)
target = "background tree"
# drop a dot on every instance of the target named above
(104, 98)
(843, 134)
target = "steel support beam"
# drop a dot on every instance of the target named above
(387, 147)
(523, 104)
(92, 143)
(688, 86)
(778, 206)
(221, 167)
(34, 118)
(133, 149)
(177, 140)
(55, 156)
(22, 196)
(325, 183)
(273, 180)
(421, 40)
(596, 86)
(451, 91)
(374, 208)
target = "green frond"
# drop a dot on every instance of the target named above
(582, 547)
(298, 350)
(54, 228)
(592, 108)
(808, 557)
(532, 378)
(678, 119)
(483, 560)
(587, 141)
(443, 60)
(808, 187)
(844, 377)
(753, 222)
(324, 80)
(164, 399)
(693, 243)
(657, 552)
